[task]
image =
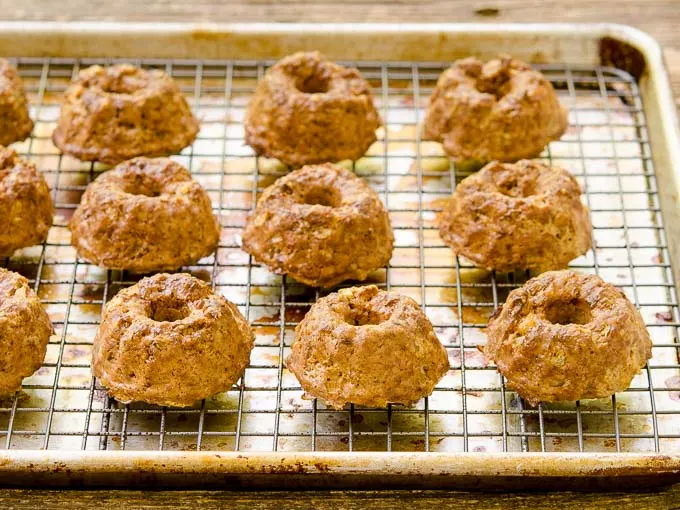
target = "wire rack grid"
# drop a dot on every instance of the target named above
(606, 147)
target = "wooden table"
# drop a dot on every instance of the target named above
(660, 18)
(334, 500)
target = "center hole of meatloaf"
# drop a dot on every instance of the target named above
(313, 84)
(497, 84)
(329, 197)
(147, 192)
(497, 92)
(516, 189)
(574, 311)
(124, 85)
(144, 189)
(169, 310)
(365, 316)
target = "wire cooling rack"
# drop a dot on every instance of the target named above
(606, 147)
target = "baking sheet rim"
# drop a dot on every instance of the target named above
(87, 466)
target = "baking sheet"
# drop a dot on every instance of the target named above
(606, 147)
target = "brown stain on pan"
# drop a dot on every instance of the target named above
(285, 468)
(621, 55)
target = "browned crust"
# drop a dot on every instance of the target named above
(15, 123)
(26, 207)
(25, 330)
(525, 215)
(499, 110)
(145, 215)
(165, 362)
(301, 128)
(546, 361)
(369, 347)
(317, 244)
(115, 113)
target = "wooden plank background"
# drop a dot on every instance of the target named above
(660, 18)
(332, 500)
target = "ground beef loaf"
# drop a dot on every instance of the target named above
(25, 330)
(308, 110)
(368, 347)
(26, 207)
(567, 336)
(145, 215)
(517, 216)
(15, 123)
(170, 340)
(111, 114)
(499, 110)
(322, 225)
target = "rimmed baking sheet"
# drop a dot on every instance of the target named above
(607, 147)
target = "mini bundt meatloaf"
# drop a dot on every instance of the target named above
(500, 110)
(567, 336)
(523, 215)
(15, 123)
(321, 225)
(111, 114)
(26, 207)
(308, 110)
(25, 330)
(145, 215)
(170, 340)
(368, 347)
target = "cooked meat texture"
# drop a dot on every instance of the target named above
(308, 110)
(26, 207)
(112, 114)
(567, 336)
(498, 110)
(145, 215)
(523, 215)
(369, 347)
(321, 225)
(25, 330)
(170, 340)
(15, 123)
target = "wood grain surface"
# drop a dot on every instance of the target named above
(333, 500)
(659, 18)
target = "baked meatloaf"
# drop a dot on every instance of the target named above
(498, 110)
(111, 114)
(308, 110)
(170, 340)
(145, 215)
(15, 123)
(25, 330)
(567, 336)
(322, 225)
(368, 347)
(523, 215)
(26, 207)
